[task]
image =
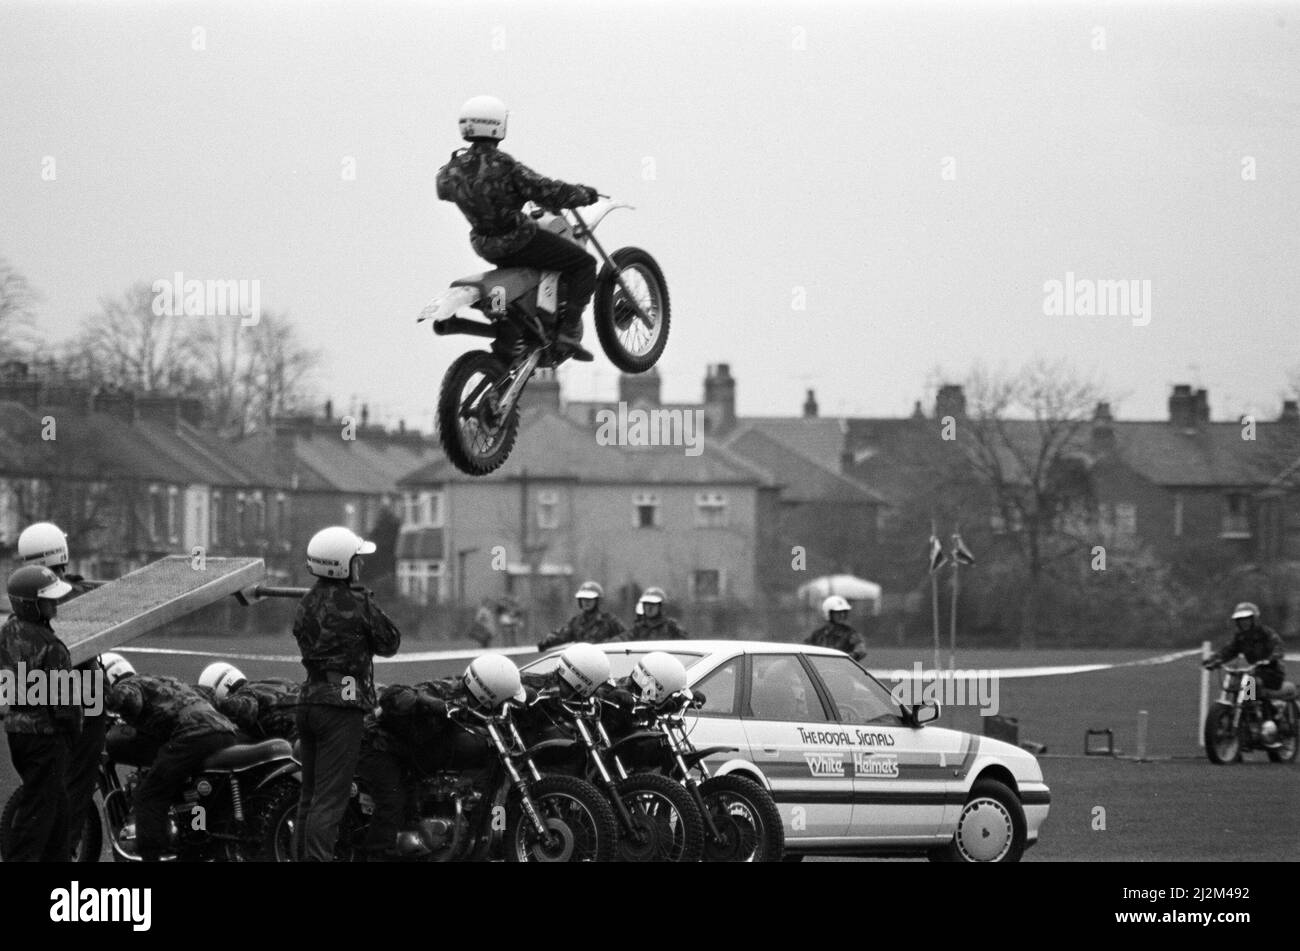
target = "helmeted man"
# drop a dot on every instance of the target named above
(1259, 644)
(339, 630)
(262, 709)
(656, 677)
(590, 625)
(41, 735)
(410, 735)
(44, 543)
(651, 624)
(490, 188)
(187, 730)
(836, 632)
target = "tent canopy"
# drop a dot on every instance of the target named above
(846, 586)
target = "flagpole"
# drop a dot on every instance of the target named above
(952, 631)
(934, 603)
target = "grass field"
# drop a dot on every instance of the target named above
(1177, 807)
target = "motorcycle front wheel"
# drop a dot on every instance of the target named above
(476, 437)
(630, 344)
(1288, 734)
(747, 819)
(88, 845)
(666, 823)
(580, 824)
(1222, 742)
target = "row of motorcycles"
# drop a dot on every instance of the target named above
(647, 796)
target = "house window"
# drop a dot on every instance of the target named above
(422, 510)
(157, 513)
(1236, 516)
(281, 515)
(1178, 514)
(548, 509)
(351, 517)
(239, 518)
(710, 510)
(645, 510)
(173, 514)
(421, 580)
(1125, 519)
(706, 584)
(999, 525)
(214, 518)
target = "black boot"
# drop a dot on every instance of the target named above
(568, 340)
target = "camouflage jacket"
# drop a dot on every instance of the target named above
(587, 628)
(411, 721)
(79, 587)
(263, 709)
(165, 709)
(490, 187)
(339, 631)
(839, 637)
(655, 629)
(34, 645)
(1260, 644)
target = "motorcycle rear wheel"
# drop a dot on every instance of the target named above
(628, 343)
(748, 819)
(667, 823)
(473, 437)
(88, 846)
(271, 813)
(1222, 741)
(581, 822)
(1288, 733)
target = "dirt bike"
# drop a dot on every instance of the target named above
(491, 801)
(239, 807)
(1235, 723)
(741, 820)
(658, 821)
(478, 404)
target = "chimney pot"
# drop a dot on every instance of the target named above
(1290, 411)
(810, 405)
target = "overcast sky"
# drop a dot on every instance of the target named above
(768, 148)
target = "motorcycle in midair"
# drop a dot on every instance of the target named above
(478, 403)
(1236, 722)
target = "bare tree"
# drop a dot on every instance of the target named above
(18, 300)
(129, 346)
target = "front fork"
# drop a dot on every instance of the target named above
(641, 315)
(522, 375)
(519, 780)
(692, 783)
(606, 778)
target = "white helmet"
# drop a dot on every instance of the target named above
(492, 680)
(116, 667)
(483, 117)
(221, 678)
(652, 596)
(658, 675)
(43, 544)
(331, 550)
(590, 589)
(833, 603)
(584, 667)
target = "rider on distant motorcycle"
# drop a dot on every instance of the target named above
(1258, 644)
(262, 709)
(490, 187)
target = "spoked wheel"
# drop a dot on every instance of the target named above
(580, 824)
(748, 821)
(666, 823)
(271, 817)
(631, 344)
(476, 436)
(1288, 734)
(1222, 742)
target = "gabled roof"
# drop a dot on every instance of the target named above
(325, 462)
(1212, 454)
(819, 438)
(803, 479)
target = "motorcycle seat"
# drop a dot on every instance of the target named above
(244, 755)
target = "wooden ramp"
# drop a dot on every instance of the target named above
(148, 598)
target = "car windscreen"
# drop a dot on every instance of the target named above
(620, 662)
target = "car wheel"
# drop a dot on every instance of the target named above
(991, 827)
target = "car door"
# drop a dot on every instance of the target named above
(716, 722)
(900, 779)
(802, 752)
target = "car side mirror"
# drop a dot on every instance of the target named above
(927, 712)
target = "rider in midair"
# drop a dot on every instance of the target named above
(490, 187)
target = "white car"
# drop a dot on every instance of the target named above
(852, 771)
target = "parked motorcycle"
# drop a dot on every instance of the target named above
(478, 404)
(1235, 724)
(238, 808)
(741, 820)
(492, 800)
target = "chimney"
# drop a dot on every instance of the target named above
(365, 415)
(1202, 406)
(1183, 407)
(164, 410)
(1290, 412)
(18, 385)
(917, 412)
(401, 427)
(636, 388)
(950, 401)
(119, 404)
(719, 399)
(810, 406)
(1103, 433)
(329, 411)
(543, 392)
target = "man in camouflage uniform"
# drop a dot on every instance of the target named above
(836, 633)
(187, 728)
(40, 734)
(339, 631)
(651, 624)
(262, 709)
(45, 544)
(590, 625)
(490, 187)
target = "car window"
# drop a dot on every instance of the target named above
(780, 689)
(719, 689)
(858, 698)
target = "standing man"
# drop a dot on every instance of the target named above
(339, 631)
(836, 632)
(651, 624)
(40, 734)
(590, 625)
(45, 544)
